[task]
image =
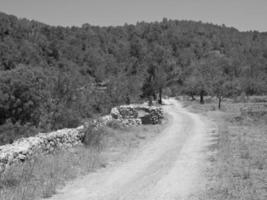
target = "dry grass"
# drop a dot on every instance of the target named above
(239, 168)
(119, 142)
(41, 176)
(44, 174)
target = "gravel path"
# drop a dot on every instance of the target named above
(169, 167)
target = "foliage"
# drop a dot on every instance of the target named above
(15, 131)
(93, 137)
(22, 90)
(52, 77)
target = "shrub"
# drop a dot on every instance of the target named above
(63, 118)
(35, 97)
(22, 92)
(115, 124)
(10, 132)
(93, 137)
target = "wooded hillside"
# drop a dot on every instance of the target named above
(53, 77)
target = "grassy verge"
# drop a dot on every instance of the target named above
(41, 176)
(238, 170)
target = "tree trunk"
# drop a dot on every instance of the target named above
(202, 97)
(150, 101)
(154, 96)
(160, 96)
(128, 100)
(219, 103)
(192, 97)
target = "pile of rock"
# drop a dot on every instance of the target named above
(100, 122)
(142, 113)
(130, 122)
(156, 115)
(124, 112)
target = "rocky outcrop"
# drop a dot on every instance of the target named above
(26, 148)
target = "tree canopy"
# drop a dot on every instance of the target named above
(47, 72)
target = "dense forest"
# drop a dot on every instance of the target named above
(54, 77)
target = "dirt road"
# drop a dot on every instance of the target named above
(167, 168)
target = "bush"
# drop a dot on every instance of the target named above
(22, 92)
(115, 124)
(62, 117)
(10, 132)
(35, 97)
(93, 137)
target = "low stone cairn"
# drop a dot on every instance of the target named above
(43, 143)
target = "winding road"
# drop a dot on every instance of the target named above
(169, 167)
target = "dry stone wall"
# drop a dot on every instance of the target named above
(145, 114)
(26, 148)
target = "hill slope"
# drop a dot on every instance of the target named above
(50, 76)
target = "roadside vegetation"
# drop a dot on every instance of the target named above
(41, 176)
(238, 164)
